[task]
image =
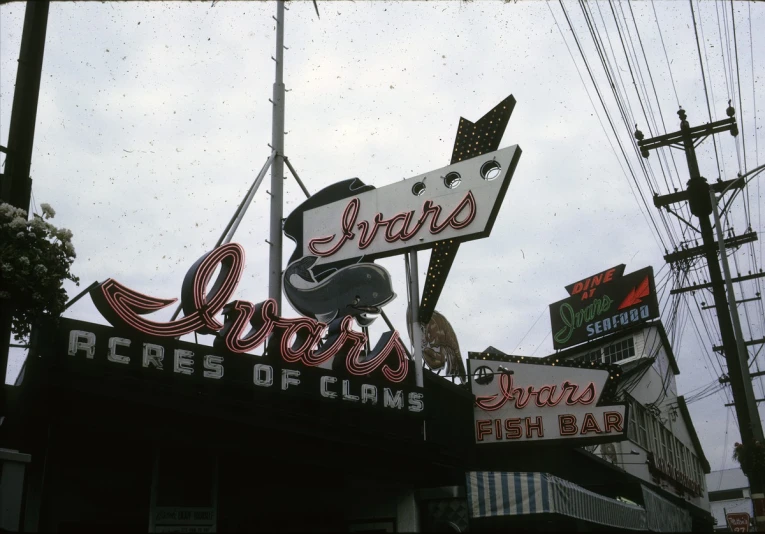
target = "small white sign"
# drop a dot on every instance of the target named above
(183, 528)
(531, 402)
(172, 515)
(458, 202)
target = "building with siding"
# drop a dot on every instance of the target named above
(663, 449)
(728, 493)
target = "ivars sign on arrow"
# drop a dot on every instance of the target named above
(458, 202)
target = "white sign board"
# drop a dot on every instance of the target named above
(518, 402)
(183, 528)
(180, 519)
(458, 202)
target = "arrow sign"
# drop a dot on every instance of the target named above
(459, 202)
(637, 295)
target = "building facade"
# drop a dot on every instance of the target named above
(662, 449)
(729, 494)
(110, 447)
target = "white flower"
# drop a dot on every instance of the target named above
(38, 224)
(40, 269)
(9, 212)
(47, 211)
(64, 235)
(18, 223)
(23, 260)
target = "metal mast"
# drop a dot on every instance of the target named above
(277, 168)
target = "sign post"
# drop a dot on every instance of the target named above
(414, 305)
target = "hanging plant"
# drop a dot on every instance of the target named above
(35, 259)
(751, 458)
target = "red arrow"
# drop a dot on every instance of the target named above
(635, 296)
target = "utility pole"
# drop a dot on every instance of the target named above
(700, 195)
(16, 185)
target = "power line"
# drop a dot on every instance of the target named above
(663, 152)
(608, 138)
(754, 97)
(529, 330)
(653, 85)
(608, 117)
(620, 105)
(722, 46)
(738, 82)
(704, 79)
(661, 36)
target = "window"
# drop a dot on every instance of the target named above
(671, 449)
(692, 468)
(642, 428)
(592, 356)
(632, 431)
(618, 351)
(726, 495)
(699, 476)
(656, 430)
(664, 446)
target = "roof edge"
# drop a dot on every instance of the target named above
(620, 333)
(692, 431)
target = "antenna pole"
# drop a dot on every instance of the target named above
(277, 168)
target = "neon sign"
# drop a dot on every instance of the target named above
(508, 393)
(459, 218)
(523, 401)
(603, 303)
(247, 326)
(351, 220)
(97, 350)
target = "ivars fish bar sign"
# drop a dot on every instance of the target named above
(602, 304)
(525, 402)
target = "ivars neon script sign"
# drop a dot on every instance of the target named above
(458, 202)
(396, 228)
(518, 402)
(246, 326)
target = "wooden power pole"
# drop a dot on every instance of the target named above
(16, 185)
(699, 195)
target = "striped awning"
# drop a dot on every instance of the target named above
(664, 516)
(496, 494)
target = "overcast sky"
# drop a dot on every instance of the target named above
(154, 119)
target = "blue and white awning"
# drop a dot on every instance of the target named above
(664, 516)
(496, 494)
